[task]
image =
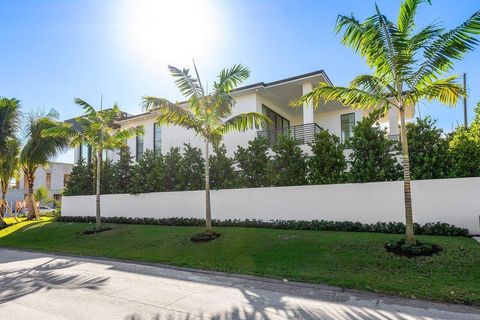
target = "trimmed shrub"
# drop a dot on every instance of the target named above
(437, 228)
(414, 250)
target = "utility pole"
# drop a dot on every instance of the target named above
(465, 119)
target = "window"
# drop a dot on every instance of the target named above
(139, 150)
(157, 138)
(277, 121)
(48, 179)
(85, 153)
(347, 122)
(278, 125)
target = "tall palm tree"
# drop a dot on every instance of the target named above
(36, 152)
(9, 167)
(99, 131)
(408, 66)
(207, 113)
(9, 120)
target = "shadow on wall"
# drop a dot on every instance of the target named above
(22, 282)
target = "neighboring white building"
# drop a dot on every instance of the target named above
(272, 99)
(53, 177)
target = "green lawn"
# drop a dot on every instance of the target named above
(353, 260)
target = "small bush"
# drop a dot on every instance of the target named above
(414, 250)
(205, 237)
(437, 228)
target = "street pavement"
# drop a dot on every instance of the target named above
(46, 286)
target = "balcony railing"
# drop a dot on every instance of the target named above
(302, 134)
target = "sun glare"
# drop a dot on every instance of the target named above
(169, 32)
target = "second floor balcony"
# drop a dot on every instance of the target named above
(301, 134)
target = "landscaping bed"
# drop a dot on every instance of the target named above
(346, 259)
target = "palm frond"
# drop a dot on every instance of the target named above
(408, 10)
(447, 91)
(229, 79)
(449, 46)
(352, 36)
(60, 130)
(38, 148)
(9, 120)
(87, 108)
(188, 85)
(373, 85)
(351, 97)
(9, 165)
(176, 115)
(244, 121)
(150, 103)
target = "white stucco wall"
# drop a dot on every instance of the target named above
(454, 201)
(57, 170)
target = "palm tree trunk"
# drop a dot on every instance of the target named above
(33, 213)
(3, 224)
(208, 212)
(409, 234)
(3, 202)
(97, 211)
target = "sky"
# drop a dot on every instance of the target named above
(55, 50)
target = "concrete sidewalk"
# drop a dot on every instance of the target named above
(45, 286)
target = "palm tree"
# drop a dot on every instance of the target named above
(9, 168)
(407, 67)
(9, 120)
(98, 130)
(206, 113)
(42, 196)
(36, 152)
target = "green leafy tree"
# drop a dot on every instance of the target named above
(9, 169)
(327, 164)
(98, 130)
(428, 148)
(465, 148)
(81, 180)
(36, 152)
(173, 172)
(209, 114)
(148, 175)
(123, 171)
(289, 164)
(222, 172)
(107, 180)
(192, 168)
(254, 162)
(373, 155)
(408, 65)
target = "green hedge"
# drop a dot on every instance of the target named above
(437, 228)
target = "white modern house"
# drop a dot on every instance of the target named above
(53, 177)
(272, 99)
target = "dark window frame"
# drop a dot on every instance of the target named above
(277, 116)
(342, 116)
(155, 149)
(138, 154)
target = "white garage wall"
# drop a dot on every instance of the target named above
(454, 201)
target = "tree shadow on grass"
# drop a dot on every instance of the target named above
(15, 284)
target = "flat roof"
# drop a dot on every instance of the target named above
(252, 86)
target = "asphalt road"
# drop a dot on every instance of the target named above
(44, 286)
